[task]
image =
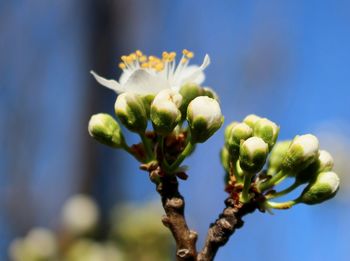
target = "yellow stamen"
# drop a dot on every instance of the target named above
(143, 59)
(190, 55)
(122, 66)
(184, 60)
(138, 53)
(144, 65)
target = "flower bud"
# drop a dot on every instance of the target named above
(147, 101)
(251, 119)
(165, 114)
(276, 156)
(323, 163)
(105, 129)
(188, 92)
(228, 130)
(130, 109)
(252, 154)
(80, 214)
(225, 159)
(204, 118)
(210, 93)
(239, 133)
(301, 153)
(324, 187)
(267, 130)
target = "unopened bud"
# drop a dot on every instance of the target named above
(105, 129)
(267, 130)
(130, 109)
(323, 163)
(165, 113)
(204, 118)
(225, 159)
(276, 156)
(238, 134)
(189, 91)
(323, 188)
(207, 91)
(228, 130)
(253, 153)
(302, 152)
(251, 119)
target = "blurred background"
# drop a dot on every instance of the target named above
(285, 60)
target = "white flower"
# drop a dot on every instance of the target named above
(80, 214)
(150, 75)
(309, 144)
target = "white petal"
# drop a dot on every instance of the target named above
(194, 73)
(111, 84)
(124, 77)
(143, 82)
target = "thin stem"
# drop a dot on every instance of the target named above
(147, 145)
(285, 191)
(244, 198)
(273, 181)
(280, 205)
(161, 145)
(187, 150)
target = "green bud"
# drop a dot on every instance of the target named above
(228, 130)
(225, 159)
(251, 119)
(302, 152)
(323, 163)
(106, 130)
(188, 92)
(252, 155)
(267, 130)
(324, 187)
(204, 118)
(239, 133)
(165, 114)
(147, 101)
(276, 156)
(130, 109)
(210, 93)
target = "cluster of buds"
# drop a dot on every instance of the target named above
(251, 144)
(185, 117)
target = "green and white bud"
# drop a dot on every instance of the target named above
(239, 133)
(252, 154)
(251, 119)
(204, 118)
(276, 156)
(189, 91)
(228, 130)
(165, 113)
(323, 188)
(225, 159)
(267, 130)
(147, 101)
(302, 152)
(323, 163)
(105, 129)
(130, 109)
(207, 91)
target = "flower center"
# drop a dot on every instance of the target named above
(138, 60)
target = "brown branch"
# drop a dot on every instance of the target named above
(174, 218)
(221, 230)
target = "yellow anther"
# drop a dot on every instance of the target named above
(129, 59)
(143, 59)
(145, 65)
(190, 55)
(184, 60)
(151, 58)
(185, 51)
(159, 67)
(138, 53)
(165, 55)
(123, 58)
(122, 66)
(133, 56)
